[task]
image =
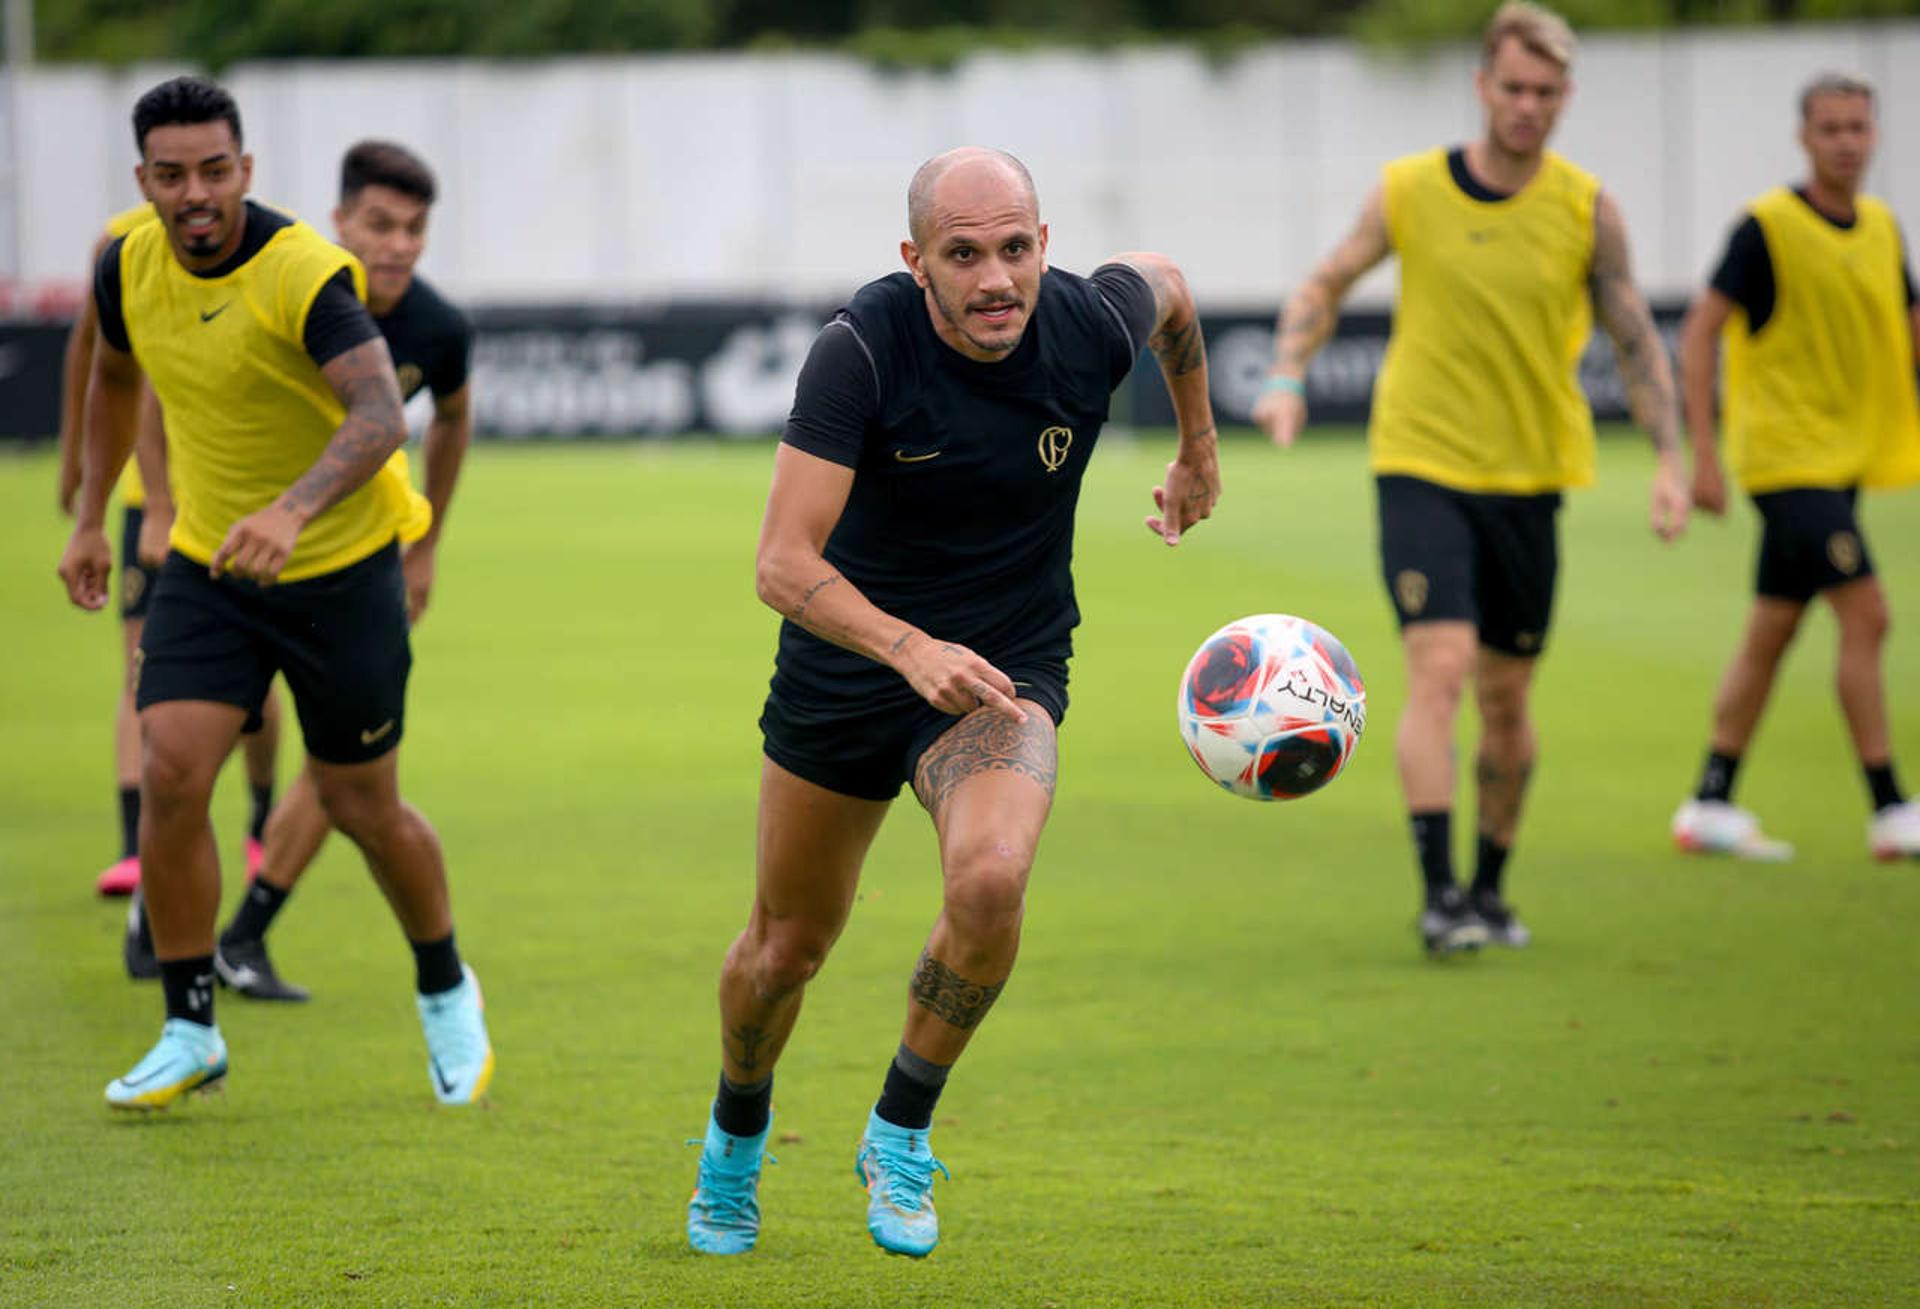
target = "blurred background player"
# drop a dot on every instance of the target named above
(1815, 298)
(1506, 253)
(386, 195)
(122, 877)
(918, 541)
(283, 411)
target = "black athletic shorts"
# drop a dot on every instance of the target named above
(1810, 541)
(1490, 560)
(136, 579)
(870, 753)
(340, 640)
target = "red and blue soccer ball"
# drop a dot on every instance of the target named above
(1272, 706)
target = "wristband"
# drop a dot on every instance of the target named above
(1278, 382)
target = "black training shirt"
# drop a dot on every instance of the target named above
(431, 341)
(966, 474)
(1745, 273)
(336, 320)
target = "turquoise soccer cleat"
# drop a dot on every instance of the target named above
(723, 1217)
(188, 1057)
(459, 1056)
(896, 1165)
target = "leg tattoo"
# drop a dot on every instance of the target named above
(1502, 788)
(749, 1042)
(951, 997)
(987, 741)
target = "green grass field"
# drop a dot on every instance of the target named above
(1222, 1075)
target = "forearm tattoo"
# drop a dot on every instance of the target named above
(372, 430)
(1623, 312)
(1304, 327)
(950, 997)
(988, 742)
(799, 613)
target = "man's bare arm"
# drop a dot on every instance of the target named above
(113, 397)
(76, 371)
(445, 449)
(1308, 320)
(1622, 311)
(1699, 372)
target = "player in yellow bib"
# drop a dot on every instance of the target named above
(122, 876)
(282, 411)
(1507, 254)
(1815, 302)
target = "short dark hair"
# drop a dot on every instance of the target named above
(383, 163)
(184, 100)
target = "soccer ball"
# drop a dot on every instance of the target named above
(1271, 707)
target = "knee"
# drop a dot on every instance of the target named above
(1503, 719)
(173, 776)
(785, 958)
(1868, 625)
(358, 810)
(986, 881)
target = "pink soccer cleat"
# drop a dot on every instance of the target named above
(120, 878)
(256, 858)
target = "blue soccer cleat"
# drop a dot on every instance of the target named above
(459, 1056)
(896, 1165)
(189, 1057)
(723, 1217)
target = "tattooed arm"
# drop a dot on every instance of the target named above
(793, 578)
(1192, 484)
(1622, 311)
(259, 545)
(1307, 321)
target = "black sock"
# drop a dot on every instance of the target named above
(189, 987)
(744, 1110)
(1490, 861)
(1716, 779)
(257, 908)
(911, 1090)
(262, 806)
(1884, 786)
(436, 965)
(129, 821)
(1433, 839)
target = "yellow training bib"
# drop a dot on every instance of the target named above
(1823, 394)
(1480, 388)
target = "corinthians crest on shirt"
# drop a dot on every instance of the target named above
(1054, 445)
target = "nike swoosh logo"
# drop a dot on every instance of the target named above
(906, 458)
(208, 315)
(130, 1082)
(369, 737)
(445, 1083)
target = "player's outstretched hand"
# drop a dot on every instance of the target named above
(257, 547)
(1709, 487)
(1670, 501)
(85, 566)
(1191, 490)
(418, 568)
(150, 548)
(955, 680)
(1281, 415)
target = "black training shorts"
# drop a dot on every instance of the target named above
(340, 640)
(1490, 560)
(870, 752)
(1810, 541)
(136, 579)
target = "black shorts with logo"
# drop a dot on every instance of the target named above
(1810, 540)
(339, 639)
(136, 579)
(871, 752)
(1490, 560)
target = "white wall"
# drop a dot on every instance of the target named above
(784, 176)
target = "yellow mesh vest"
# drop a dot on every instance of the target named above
(247, 411)
(1823, 394)
(1480, 387)
(132, 493)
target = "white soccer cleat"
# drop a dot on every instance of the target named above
(1716, 827)
(1894, 832)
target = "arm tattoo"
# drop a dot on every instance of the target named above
(749, 1042)
(1622, 311)
(1304, 327)
(799, 613)
(986, 742)
(901, 644)
(1178, 345)
(949, 996)
(372, 430)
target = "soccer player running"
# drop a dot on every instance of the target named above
(386, 195)
(1478, 424)
(282, 411)
(122, 876)
(1815, 300)
(918, 540)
